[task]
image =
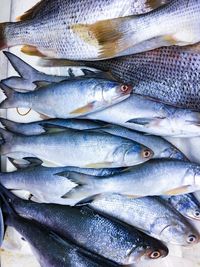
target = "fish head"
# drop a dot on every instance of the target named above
(137, 154)
(113, 92)
(187, 206)
(179, 233)
(152, 249)
(173, 153)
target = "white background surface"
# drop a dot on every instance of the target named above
(15, 252)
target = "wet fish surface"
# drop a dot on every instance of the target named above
(98, 234)
(49, 126)
(50, 249)
(156, 177)
(67, 27)
(149, 214)
(161, 147)
(169, 74)
(75, 148)
(187, 205)
(68, 99)
(150, 116)
(46, 184)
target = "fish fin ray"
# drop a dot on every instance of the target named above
(178, 191)
(31, 13)
(108, 36)
(144, 121)
(82, 110)
(31, 51)
(52, 128)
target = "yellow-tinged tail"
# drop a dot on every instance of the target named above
(3, 42)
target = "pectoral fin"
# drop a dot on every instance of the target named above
(85, 109)
(99, 165)
(178, 191)
(31, 51)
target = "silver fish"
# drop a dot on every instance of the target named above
(186, 204)
(76, 148)
(92, 231)
(169, 74)
(146, 115)
(72, 30)
(46, 184)
(160, 147)
(156, 177)
(149, 214)
(50, 126)
(68, 99)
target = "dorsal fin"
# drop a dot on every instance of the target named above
(30, 13)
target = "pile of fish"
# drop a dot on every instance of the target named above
(105, 187)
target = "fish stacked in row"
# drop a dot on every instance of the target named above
(111, 190)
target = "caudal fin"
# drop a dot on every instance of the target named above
(3, 41)
(11, 97)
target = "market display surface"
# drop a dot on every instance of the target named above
(100, 134)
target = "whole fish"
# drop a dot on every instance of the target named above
(81, 30)
(75, 148)
(52, 250)
(46, 184)
(68, 99)
(169, 74)
(187, 205)
(92, 231)
(160, 147)
(149, 214)
(50, 126)
(150, 116)
(156, 177)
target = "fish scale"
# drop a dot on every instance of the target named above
(169, 74)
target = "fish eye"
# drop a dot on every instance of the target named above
(191, 239)
(197, 213)
(155, 254)
(146, 153)
(125, 88)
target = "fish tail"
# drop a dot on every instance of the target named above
(6, 136)
(25, 71)
(9, 125)
(83, 189)
(12, 98)
(3, 39)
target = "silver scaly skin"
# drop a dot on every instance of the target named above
(151, 215)
(86, 149)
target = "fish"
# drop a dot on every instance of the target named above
(168, 74)
(75, 148)
(43, 183)
(68, 99)
(51, 249)
(92, 231)
(155, 177)
(161, 147)
(30, 79)
(149, 214)
(152, 117)
(81, 30)
(49, 126)
(187, 205)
